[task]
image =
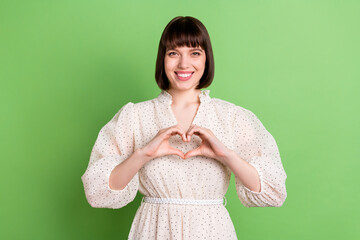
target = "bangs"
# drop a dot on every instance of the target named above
(183, 34)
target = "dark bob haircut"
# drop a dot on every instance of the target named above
(184, 31)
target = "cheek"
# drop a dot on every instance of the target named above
(201, 64)
(168, 64)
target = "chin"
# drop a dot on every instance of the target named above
(185, 86)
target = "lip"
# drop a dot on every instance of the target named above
(183, 72)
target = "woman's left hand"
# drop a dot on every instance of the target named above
(210, 146)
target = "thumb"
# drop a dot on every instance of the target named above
(192, 153)
(176, 152)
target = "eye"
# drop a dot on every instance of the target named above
(197, 53)
(170, 53)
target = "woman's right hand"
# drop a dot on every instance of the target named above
(159, 146)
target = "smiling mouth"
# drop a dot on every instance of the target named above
(184, 76)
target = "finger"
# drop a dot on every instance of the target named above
(188, 138)
(192, 153)
(175, 130)
(197, 131)
(178, 126)
(183, 134)
(176, 152)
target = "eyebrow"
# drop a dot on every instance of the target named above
(192, 49)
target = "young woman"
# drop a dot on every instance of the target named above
(180, 148)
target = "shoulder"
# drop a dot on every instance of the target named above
(137, 108)
(144, 106)
(125, 111)
(126, 108)
(221, 105)
(236, 110)
(221, 102)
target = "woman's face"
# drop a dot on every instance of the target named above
(184, 67)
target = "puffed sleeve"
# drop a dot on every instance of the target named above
(258, 147)
(114, 144)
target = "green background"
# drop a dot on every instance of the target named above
(66, 68)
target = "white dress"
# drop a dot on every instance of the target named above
(135, 124)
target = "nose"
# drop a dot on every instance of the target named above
(183, 62)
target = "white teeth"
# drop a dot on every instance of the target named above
(184, 75)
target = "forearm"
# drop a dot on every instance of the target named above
(126, 170)
(247, 174)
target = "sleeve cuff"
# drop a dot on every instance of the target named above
(112, 165)
(261, 176)
(96, 184)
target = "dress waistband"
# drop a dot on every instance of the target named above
(184, 201)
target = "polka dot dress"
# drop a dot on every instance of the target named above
(199, 177)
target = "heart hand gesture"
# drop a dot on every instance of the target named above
(159, 146)
(210, 146)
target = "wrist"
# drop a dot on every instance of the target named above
(140, 154)
(228, 156)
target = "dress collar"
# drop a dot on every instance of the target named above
(165, 97)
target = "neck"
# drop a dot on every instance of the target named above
(184, 97)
